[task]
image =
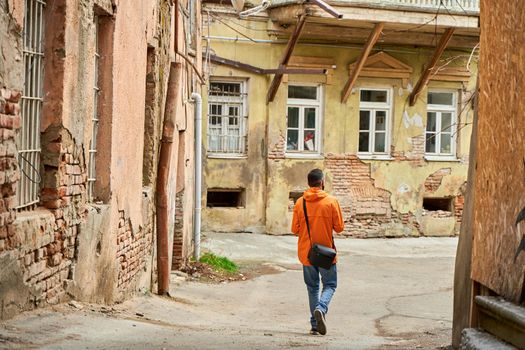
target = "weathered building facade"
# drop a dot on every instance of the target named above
(84, 85)
(377, 94)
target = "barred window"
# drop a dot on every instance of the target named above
(227, 118)
(28, 137)
(95, 120)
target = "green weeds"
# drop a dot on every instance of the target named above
(219, 262)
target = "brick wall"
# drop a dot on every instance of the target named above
(178, 259)
(364, 206)
(279, 148)
(9, 172)
(134, 245)
(416, 155)
(433, 181)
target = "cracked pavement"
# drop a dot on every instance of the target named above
(392, 294)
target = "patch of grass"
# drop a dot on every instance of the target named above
(219, 262)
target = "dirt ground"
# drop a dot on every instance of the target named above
(392, 295)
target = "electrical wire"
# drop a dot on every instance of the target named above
(35, 170)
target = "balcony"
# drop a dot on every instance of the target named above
(406, 22)
(452, 6)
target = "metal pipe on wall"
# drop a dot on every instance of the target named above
(197, 99)
(163, 171)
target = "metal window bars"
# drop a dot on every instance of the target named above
(227, 118)
(92, 175)
(28, 137)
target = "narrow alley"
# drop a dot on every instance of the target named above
(386, 299)
(156, 157)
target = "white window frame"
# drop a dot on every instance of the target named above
(302, 104)
(439, 109)
(243, 120)
(373, 107)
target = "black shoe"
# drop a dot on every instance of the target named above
(321, 323)
(314, 331)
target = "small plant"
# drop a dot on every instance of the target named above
(219, 262)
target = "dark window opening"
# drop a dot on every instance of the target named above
(225, 198)
(294, 196)
(292, 199)
(435, 204)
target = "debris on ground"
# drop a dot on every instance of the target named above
(202, 272)
(76, 305)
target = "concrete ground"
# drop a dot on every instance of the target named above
(392, 294)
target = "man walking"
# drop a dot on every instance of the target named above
(324, 216)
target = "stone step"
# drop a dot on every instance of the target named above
(502, 319)
(475, 339)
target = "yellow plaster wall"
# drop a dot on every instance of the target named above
(268, 183)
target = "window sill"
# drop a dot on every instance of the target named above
(442, 159)
(227, 156)
(35, 214)
(375, 157)
(303, 156)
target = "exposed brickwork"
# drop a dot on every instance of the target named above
(459, 203)
(416, 156)
(44, 241)
(365, 206)
(434, 180)
(9, 172)
(178, 259)
(133, 247)
(279, 149)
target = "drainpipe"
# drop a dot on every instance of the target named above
(163, 171)
(198, 176)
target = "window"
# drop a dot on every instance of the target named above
(437, 204)
(28, 137)
(227, 118)
(96, 91)
(441, 127)
(374, 121)
(303, 119)
(225, 198)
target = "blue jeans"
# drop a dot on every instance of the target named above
(311, 278)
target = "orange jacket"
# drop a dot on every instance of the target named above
(324, 215)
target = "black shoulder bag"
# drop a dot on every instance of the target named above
(319, 255)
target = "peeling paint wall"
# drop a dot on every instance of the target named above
(67, 245)
(380, 198)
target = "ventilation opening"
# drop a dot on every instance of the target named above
(436, 204)
(225, 198)
(292, 199)
(294, 196)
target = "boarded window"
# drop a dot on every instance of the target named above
(225, 198)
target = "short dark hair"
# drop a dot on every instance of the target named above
(315, 177)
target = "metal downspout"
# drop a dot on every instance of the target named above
(198, 176)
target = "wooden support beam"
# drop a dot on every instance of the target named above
(372, 39)
(329, 9)
(285, 58)
(424, 78)
(236, 64)
(256, 70)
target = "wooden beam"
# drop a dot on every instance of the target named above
(236, 64)
(372, 39)
(340, 34)
(256, 70)
(285, 58)
(329, 9)
(424, 78)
